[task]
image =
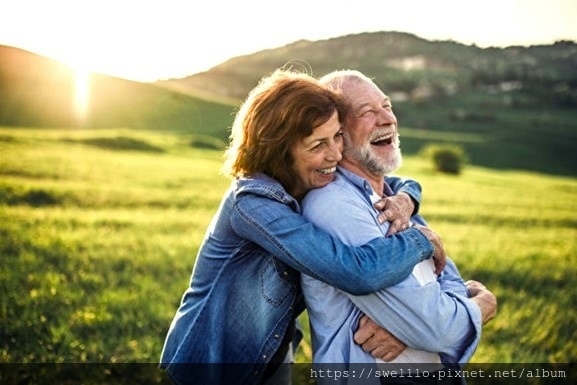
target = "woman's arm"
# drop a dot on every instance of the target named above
(283, 232)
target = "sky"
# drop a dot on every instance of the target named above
(148, 40)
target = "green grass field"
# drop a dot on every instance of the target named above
(100, 229)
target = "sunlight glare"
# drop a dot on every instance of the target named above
(81, 93)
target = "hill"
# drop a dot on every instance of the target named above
(39, 92)
(511, 107)
(403, 63)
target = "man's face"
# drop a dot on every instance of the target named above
(371, 135)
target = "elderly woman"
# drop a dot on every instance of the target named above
(244, 294)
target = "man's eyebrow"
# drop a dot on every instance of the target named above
(361, 105)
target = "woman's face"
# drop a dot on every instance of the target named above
(316, 157)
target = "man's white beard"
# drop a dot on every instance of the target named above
(375, 164)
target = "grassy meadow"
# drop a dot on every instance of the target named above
(99, 230)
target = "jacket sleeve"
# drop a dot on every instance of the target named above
(284, 233)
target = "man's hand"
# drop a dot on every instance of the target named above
(439, 256)
(377, 341)
(484, 298)
(396, 209)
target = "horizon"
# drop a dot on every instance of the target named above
(86, 71)
(154, 40)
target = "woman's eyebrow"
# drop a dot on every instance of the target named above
(316, 140)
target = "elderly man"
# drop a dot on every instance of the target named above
(438, 318)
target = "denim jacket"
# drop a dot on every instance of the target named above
(244, 291)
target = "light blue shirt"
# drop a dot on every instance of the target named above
(434, 317)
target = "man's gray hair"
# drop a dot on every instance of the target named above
(336, 80)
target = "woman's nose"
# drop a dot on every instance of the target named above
(335, 152)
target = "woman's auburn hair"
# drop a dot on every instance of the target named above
(282, 109)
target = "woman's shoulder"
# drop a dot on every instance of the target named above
(261, 185)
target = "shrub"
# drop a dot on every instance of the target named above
(207, 142)
(446, 158)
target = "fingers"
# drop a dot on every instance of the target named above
(396, 226)
(475, 284)
(377, 341)
(440, 261)
(386, 215)
(484, 298)
(487, 303)
(365, 331)
(396, 210)
(439, 255)
(388, 355)
(474, 287)
(383, 345)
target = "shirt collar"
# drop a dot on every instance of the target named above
(363, 184)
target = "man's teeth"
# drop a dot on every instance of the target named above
(388, 138)
(327, 171)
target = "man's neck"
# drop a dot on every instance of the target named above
(377, 181)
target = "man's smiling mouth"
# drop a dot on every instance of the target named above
(383, 140)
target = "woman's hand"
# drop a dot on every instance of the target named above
(396, 209)
(439, 255)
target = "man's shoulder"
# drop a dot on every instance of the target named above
(340, 193)
(336, 188)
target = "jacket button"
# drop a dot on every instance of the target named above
(276, 336)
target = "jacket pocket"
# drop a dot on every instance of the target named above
(275, 283)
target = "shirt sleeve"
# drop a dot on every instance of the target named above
(280, 230)
(426, 318)
(451, 280)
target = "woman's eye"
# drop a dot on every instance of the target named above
(318, 146)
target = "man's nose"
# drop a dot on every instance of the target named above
(386, 116)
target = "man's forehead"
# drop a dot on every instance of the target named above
(369, 99)
(365, 89)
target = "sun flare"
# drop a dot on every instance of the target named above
(81, 93)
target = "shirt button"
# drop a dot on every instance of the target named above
(285, 273)
(264, 356)
(276, 336)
